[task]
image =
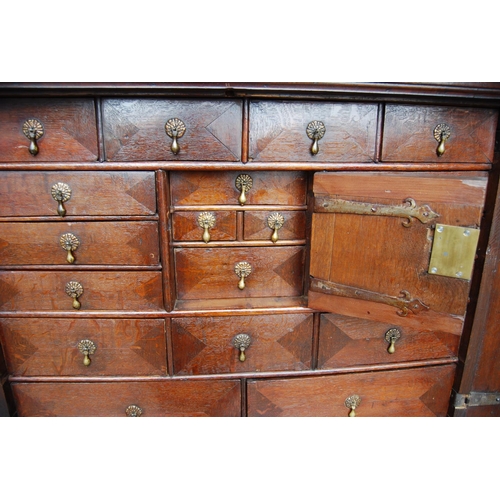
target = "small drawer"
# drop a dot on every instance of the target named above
(414, 134)
(217, 273)
(63, 291)
(416, 392)
(348, 341)
(274, 226)
(221, 188)
(62, 130)
(84, 347)
(79, 243)
(26, 194)
(157, 398)
(287, 131)
(208, 225)
(242, 343)
(144, 129)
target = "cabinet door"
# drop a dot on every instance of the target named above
(372, 241)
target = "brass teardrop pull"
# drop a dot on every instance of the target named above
(206, 220)
(86, 347)
(315, 131)
(242, 341)
(243, 183)
(442, 133)
(242, 270)
(175, 129)
(391, 336)
(70, 243)
(275, 221)
(33, 130)
(61, 193)
(352, 402)
(74, 290)
(133, 411)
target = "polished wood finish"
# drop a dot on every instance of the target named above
(186, 227)
(256, 225)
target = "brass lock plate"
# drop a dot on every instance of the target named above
(453, 251)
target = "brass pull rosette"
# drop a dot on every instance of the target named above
(442, 133)
(175, 129)
(86, 347)
(242, 341)
(315, 131)
(243, 183)
(70, 243)
(242, 270)
(133, 411)
(206, 220)
(352, 402)
(61, 193)
(74, 290)
(391, 336)
(33, 130)
(275, 221)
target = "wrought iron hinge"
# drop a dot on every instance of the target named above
(463, 401)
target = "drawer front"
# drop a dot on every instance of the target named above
(409, 134)
(219, 225)
(50, 346)
(135, 129)
(219, 188)
(111, 243)
(349, 341)
(242, 343)
(68, 126)
(417, 392)
(46, 291)
(162, 398)
(284, 225)
(278, 131)
(210, 273)
(25, 194)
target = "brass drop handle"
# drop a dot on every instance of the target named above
(86, 347)
(33, 130)
(206, 220)
(70, 243)
(275, 221)
(175, 129)
(442, 133)
(242, 270)
(61, 193)
(352, 402)
(242, 341)
(74, 290)
(391, 336)
(315, 131)
(243, 183)
(133, 411)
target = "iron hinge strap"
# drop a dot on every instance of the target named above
(463, 401)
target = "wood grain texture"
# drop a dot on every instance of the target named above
(162, 398)
(419, 392)
(205, 345)
(96, 193)
(45, 290)
(278, 131)
(134, 129)
(44, 347)
(70, 132)
(107, 243)
(218, 188)
(185, 226)
(409, 134)
(256, 226)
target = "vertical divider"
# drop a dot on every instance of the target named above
(245, 131)
(380, 131)
(101, 153)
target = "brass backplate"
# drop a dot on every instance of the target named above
(453, 251)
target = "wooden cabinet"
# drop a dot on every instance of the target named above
(256, 253)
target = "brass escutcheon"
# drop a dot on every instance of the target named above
(175, 129)
(243, 183)
(70, 243)
(242, 341)
(315, 131)
(133, 411)
(33, 130)
(74, 290)
(86, 347)
(206, 220)
(391, 336)
(352, 402)
(275, 221)
(442, 133)
(61, 193)
(242, 270)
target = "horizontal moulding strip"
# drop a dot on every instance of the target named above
(239, 208)
(81, 218)
(78, 267)
(242, 244)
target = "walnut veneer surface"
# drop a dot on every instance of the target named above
(210, 277)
